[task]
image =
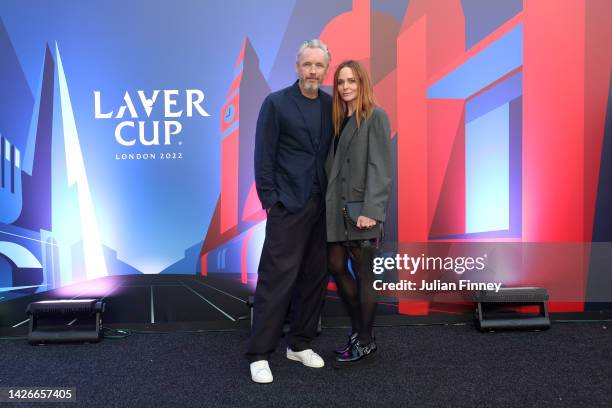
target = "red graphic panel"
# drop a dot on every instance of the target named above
(229, 181)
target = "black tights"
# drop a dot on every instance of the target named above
(357, 294)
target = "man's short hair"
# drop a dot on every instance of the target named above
(314, 43)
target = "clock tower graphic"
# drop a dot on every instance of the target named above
(238, 213)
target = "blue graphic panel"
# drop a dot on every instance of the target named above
(482, 17)
(492, 63)
(487, 189)
(493, 98)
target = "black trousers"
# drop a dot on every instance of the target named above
(292, 274)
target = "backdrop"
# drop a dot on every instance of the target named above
(127, 135)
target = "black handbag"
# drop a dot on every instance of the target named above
(352, 211)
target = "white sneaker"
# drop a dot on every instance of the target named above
(307, 357)
(260, 372)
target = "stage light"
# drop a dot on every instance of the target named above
(498, 310)
(60, 321)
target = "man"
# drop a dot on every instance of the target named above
(291, 144)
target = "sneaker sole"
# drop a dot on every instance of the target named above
(261, 382)
(370, 359)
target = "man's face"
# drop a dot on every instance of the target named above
(311, 68)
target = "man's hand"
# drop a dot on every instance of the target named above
(364, 222)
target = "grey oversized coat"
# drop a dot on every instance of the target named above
(359, 171)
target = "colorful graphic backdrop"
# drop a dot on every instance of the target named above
(127, 129)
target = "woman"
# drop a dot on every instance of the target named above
(359, 167)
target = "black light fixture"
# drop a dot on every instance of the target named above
(497, 310)
(60, 321)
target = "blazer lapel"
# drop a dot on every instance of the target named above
(343, 145)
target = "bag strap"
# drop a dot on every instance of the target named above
(347, 217)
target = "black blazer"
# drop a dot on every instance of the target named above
(287, 158)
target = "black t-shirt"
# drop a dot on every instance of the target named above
(312, 113)
(337, 139)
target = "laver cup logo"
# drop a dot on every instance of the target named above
(138, 129)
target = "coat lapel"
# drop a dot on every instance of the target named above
(345, 141)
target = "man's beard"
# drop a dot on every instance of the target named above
(310, 86)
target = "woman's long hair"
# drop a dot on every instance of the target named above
(364, 103)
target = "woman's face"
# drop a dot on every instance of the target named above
(347, 85)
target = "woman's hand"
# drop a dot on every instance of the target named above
(364, 222)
